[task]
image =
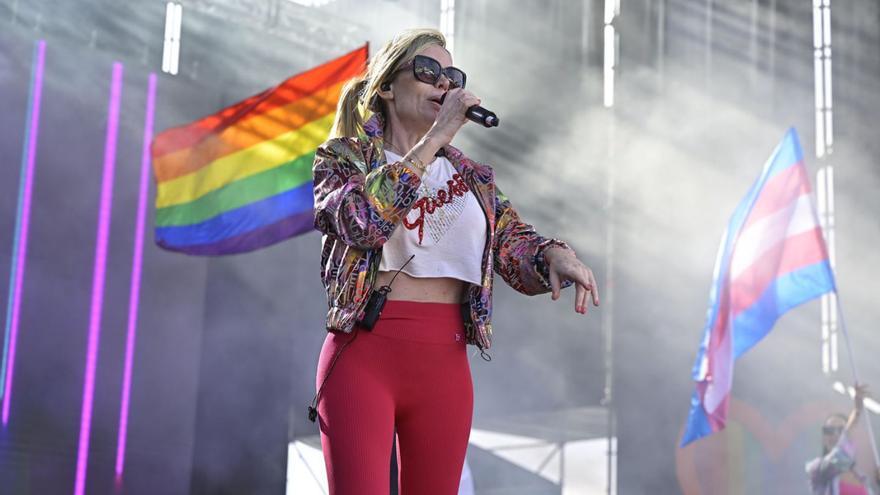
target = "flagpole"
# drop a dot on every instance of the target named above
(852, 363)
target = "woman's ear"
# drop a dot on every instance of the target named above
(385, 91)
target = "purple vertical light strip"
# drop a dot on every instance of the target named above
(23, 224)
(136, 264)
(98, 278)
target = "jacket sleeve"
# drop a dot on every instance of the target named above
(519, 250)
(362, 209)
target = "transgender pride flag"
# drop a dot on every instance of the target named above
(772, 258)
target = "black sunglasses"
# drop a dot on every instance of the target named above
(428, 70)
(832, 430)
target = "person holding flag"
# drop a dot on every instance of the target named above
(772, 259)
(835, 471)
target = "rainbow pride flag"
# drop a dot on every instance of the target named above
(241, 179)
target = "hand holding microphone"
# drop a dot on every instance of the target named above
(478, 114)
(456, 107)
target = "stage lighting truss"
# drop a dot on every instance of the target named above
(825, 175)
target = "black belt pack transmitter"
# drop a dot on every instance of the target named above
(374, 306)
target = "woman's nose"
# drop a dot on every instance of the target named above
(443, 82)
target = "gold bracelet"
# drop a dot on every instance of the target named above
(416, 163)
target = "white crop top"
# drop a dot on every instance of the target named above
(445, 230)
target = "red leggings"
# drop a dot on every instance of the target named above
(410, 373)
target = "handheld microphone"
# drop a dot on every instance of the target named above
(478, 114)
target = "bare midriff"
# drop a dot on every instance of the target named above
(407, 288)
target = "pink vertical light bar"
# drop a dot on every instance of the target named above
(136, 264)
(98, 278)
(21, 234)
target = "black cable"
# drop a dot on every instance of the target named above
(313, 406)
(398, 272)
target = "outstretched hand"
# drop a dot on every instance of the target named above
(563, 266)
(861, 391)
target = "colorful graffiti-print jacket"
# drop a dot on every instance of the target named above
(359, 201)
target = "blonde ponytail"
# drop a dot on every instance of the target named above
(349, 120)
